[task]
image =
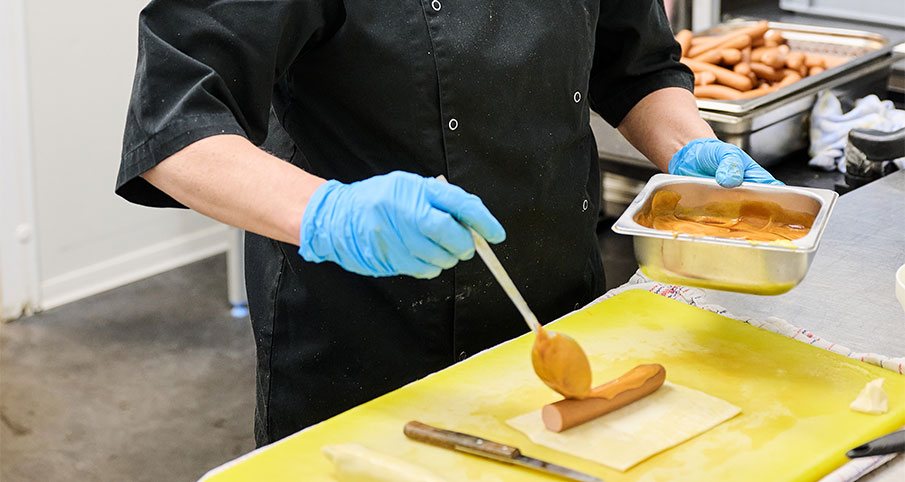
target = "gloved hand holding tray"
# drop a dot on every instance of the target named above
(795, 422)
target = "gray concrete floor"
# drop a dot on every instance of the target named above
(153, 381)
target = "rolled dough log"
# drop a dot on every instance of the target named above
(356, 463)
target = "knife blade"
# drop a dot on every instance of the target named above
(464, 442)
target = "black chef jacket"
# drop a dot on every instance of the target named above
(494, 94)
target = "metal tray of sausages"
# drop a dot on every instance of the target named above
(860, 47)
(774, 125)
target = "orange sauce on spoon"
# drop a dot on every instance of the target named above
(561, 363)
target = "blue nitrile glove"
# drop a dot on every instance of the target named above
(398, 223)
(708, 157)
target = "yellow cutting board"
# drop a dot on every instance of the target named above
(795, 422)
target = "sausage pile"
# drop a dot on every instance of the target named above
(748, 62)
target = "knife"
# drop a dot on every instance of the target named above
(486, 448)
(887, 444)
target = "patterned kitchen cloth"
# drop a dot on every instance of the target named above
(852, 470)
(696, 297)
(830, 126)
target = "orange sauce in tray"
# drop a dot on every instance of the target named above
(750, 220)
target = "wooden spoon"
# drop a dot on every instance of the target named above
(558, 359)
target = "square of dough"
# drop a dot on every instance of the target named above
(625, 437)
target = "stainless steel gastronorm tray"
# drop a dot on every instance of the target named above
(860, 47)
(721, 263)
(772, 126)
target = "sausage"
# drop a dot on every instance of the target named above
(742, 68)
(790, 78)
(704, 39)
(765, 89)
(815, 70)
(775, 58)
(756, 30)
(723, 76)
(814, 60)
(635, 384)
(794, 60)
(730, 56)
(758, 52)
(733, 40)
(737, 42)
(704, 78)
(711, 57)
(746, 55)
(716, 91)
(766, 72)
(773, 38)
(684, 38)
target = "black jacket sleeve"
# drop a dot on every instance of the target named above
(635, 54)
(207, 68)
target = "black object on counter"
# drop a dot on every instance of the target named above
(868, 155)
(887, 444)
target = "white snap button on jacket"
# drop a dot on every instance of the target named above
(453, 124)
(584, 205)
(577, 97)
(436, 5)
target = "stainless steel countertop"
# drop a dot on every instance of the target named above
(848, 296)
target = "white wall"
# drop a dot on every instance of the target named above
(80, 63)
(18, 256)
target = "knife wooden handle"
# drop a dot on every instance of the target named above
(463, 442)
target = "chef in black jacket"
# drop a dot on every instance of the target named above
(355, 266)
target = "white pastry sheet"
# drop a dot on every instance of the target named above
(623, 438)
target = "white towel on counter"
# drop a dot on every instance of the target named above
(830, 127)
(852, 470)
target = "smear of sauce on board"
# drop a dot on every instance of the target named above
(750, 220)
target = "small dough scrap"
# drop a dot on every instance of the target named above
(623, 438)
(872, 398)
(356, 463)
